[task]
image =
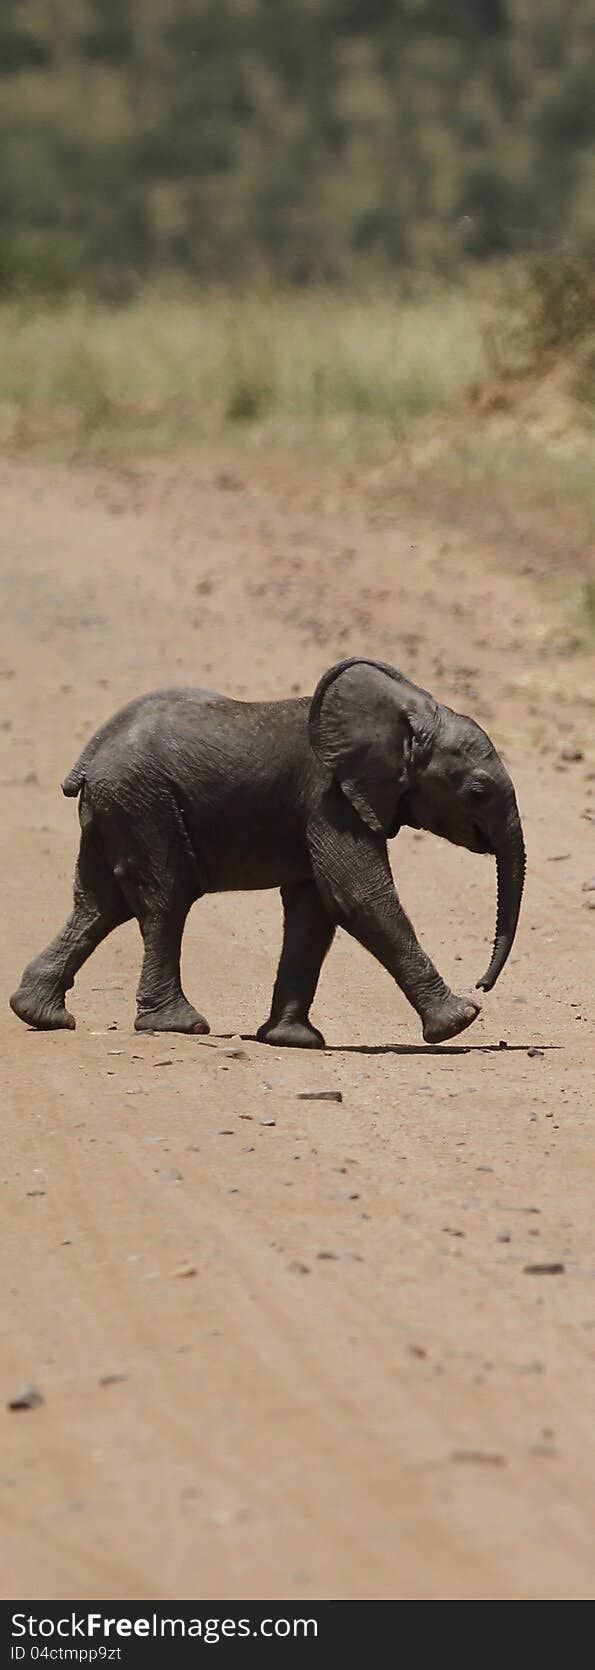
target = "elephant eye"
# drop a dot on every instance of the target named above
(478, 787)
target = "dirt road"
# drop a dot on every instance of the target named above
(362, 1391)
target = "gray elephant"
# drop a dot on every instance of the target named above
(186, 792)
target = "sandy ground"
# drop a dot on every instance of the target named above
(362, 1391)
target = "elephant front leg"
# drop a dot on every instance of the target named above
(307, 935)
(353, 874)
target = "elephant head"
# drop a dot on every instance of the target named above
(402, 758)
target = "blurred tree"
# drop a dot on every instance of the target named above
(312, 137)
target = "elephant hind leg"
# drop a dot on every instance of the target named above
(160, 882)
(161, 1003)
(99, 906)
(307, 936)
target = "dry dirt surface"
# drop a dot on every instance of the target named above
(294, 1348)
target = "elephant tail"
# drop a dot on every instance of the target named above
(73, 783)
(77, 778)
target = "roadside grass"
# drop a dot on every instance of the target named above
(487, 383)
(344, 372)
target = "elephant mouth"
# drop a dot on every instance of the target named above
(480, 841)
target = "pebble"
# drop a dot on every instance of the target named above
(570, 754)
(534, 1052)
(319, 1096)
(298, 1269)
(111, 1379)
(28, 1398)
(555, 1269)
(268, 1121)
(171, 1175)
(185, 1270)
(480, 1458)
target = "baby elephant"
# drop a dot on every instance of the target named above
(185, 792)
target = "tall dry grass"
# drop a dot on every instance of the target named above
(170, 368)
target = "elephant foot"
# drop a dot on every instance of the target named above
(449, 1018)
(177, 1016)
(297, 1035)
(44, 1010)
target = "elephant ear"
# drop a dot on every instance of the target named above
(372, 729)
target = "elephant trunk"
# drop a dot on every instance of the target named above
(510, 866)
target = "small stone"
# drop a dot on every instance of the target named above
(502, 1044)
(185, 1270)
(230, 1191)
(417, 1351)
(554, 1269)
(31, 1193)
(533, 1052)
(171, 1175)
(268, 1121)
(28, 1398)
(167, 1063)
(479, 1458)
(298, 1269)
(327, 1255)
(571, 754)
(236, 1054)
(589, 886)
(111, 1379)
(319, 1096)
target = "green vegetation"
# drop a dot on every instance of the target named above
(307, 140)
(169, 368)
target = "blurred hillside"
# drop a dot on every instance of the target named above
(305, 139)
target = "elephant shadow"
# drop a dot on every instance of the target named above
(421, 1049)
